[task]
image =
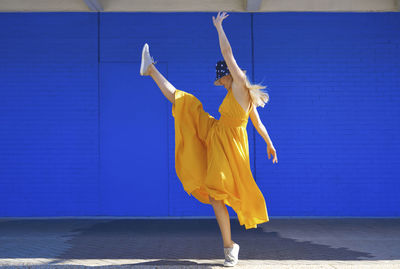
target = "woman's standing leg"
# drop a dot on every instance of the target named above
(222, 215)
(166, 87)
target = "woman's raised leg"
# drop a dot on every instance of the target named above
(222, 215)
(166, 87)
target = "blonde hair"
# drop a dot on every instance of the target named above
(258, 97)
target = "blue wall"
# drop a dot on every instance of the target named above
(334, 112)
(82, 133)
(49, 114)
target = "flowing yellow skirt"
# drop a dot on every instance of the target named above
(212, 158)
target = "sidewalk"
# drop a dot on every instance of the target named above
(197, 243)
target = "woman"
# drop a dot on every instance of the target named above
(212, 156)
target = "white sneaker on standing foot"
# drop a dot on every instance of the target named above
(231, 255)
(147, 60)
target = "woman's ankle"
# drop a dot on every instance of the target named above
(231, 244)
(150, 69)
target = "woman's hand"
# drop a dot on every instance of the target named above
(220, 17)
(271, 150)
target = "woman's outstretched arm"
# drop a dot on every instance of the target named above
(237, 74)
(260, 127)
(257, 123)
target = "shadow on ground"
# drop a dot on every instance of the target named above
(177, 242)
(191, 239)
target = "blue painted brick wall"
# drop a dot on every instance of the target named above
(48, 114)
(333, 80)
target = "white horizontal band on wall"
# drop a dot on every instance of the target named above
(199, 5)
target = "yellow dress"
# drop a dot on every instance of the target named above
(212, 156)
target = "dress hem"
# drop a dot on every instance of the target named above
(228, 200)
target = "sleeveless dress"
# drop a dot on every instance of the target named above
(212, 156)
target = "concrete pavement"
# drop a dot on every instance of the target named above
(197, 243)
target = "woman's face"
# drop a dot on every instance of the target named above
(226, 81)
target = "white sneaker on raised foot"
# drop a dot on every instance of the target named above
(231, 255)
(147, 60)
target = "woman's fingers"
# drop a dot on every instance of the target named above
(276, 158)
(222, 15)
(274, 155)
(219, 18)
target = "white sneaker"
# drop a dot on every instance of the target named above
(231, 255)
(147, 60)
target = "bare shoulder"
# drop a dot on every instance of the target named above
(241, 94)
(240, 91)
